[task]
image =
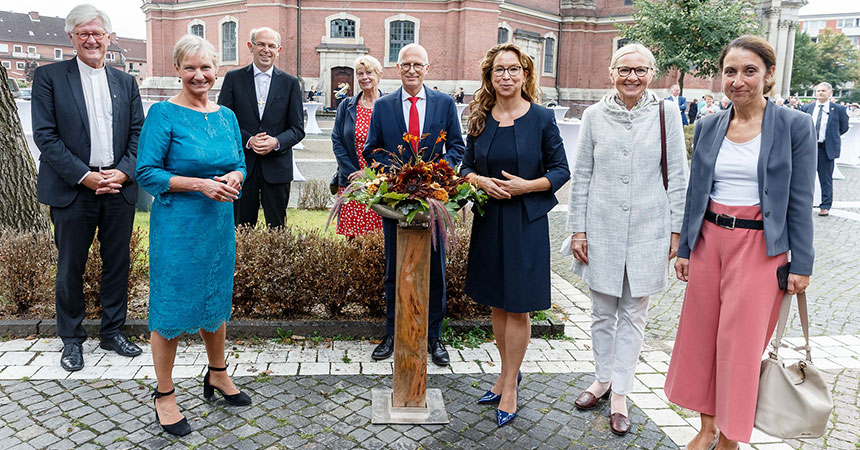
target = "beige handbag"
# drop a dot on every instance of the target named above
(793, 402)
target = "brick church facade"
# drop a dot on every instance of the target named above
(571, 41)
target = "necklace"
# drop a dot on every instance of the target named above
(200, 109)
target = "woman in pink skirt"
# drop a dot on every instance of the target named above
(749, 203)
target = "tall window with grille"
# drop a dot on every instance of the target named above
(548, 55)
(197, 30)
(503, 35)
(228, 41)
(343, 28)
(401, 33)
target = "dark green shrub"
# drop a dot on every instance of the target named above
(28, 265)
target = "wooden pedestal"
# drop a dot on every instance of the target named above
(411, 318)
(409, 401)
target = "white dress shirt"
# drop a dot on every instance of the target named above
(822, 132)
(262, 80)
(736, 173)
(421, 104)
(99, 114)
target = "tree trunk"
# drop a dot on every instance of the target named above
(19, 208)
(681, 80)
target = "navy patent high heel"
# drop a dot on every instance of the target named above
(503, 417)
(491, 397)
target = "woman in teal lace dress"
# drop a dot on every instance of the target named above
(190, 159)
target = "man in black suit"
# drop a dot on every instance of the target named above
(268, 105)
(86, 121)
(831, 122)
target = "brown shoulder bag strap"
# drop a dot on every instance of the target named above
(663, 166)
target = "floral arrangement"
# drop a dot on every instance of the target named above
(410, 188)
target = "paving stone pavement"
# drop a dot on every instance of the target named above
(306, 412)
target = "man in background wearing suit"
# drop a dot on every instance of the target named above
(831, 122)
(415, 109)
(268, 106)
(86, 121)
(680, 101)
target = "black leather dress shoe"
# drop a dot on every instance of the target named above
(438, 352)
(385, 348)
(120, 344)
(73, 357)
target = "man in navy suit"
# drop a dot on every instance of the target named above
(419, 111)
(831, 122)
(680, 101)
(268, 106)
(86, 121)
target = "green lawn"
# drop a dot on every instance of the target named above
(302, 218)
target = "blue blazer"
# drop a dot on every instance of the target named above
(61, 130)
(533, 161)
(837, 125)
(786, 177)
(682, 105)
(343, 139)
(387, 126)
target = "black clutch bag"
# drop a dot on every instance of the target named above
(782, 276)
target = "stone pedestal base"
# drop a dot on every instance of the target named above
(382, 412)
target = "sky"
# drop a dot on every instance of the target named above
(125, 15)
(128, 20)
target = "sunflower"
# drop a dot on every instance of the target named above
(440, 194)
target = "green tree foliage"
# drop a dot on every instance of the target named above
(833, 59)
(837, 58)
(803, 70)
(688, 35)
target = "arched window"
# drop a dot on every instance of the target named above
(503, 35)
(229, 42)
(549, 55)
(197, 30)
(343, 28)
(400, 33)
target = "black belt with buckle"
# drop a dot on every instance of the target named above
(100, 168)
(732, 222)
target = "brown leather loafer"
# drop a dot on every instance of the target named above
(619, 424)
(587, 400)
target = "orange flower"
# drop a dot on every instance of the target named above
(441, 195)
(442, 136)
(409, 138)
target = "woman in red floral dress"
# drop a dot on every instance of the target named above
(348, 137)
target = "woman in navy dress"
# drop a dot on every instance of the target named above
(190, 159)
(514, 152)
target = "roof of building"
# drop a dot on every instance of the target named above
(132, 49)
(20, 27)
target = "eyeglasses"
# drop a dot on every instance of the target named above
(83, 36)
(406, 67)
(513, 71)
(640, 71)
(262, 45)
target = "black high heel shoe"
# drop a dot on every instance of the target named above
(240, 399)
(180, 428)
